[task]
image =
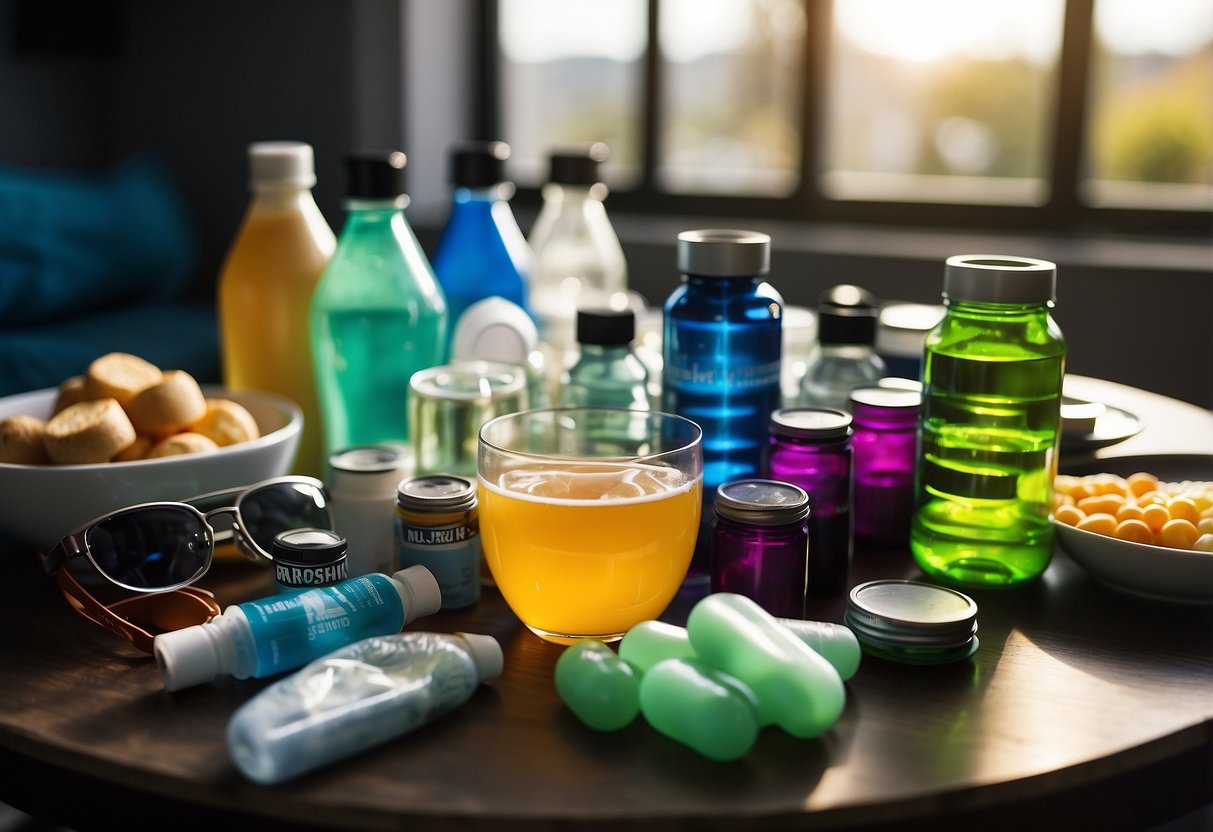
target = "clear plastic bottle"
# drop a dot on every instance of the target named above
(378, 314)
(608, 373)
(356, 698)
(844, 356)
(989, 425)
(282, 632)
(482, 251)
(266, 286)
(721, 349)
(578, 259)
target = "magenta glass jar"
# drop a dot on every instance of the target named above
(885, 449)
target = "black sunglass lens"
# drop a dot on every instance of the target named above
(150, 548)
(281, 507)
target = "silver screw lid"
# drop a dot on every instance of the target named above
(993, 278)
(762, 502)
(724, 252)
(911, 614)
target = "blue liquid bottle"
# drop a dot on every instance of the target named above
(721, 351)
(378, 314)
(482, 252)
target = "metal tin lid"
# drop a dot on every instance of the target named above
(438, 492)
(811, 423)
(724, 252)
(308, 546)
(894, 615)
(762, 502)
(887, 397)
(368, 459)
(987, 278)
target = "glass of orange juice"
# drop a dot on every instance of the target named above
(588, 516)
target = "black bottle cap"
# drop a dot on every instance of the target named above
(308, 546)
(375, 174)
(847, 314)
(577, 165)
(606, 327)
(478, 164)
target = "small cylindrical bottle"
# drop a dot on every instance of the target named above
(438, 527)
(305, 558)
(271, 635)
(885, 450)
(356, 698)
(578, 258)
(378, 314)
(760, 544)
(266, 286)
(989, 426)
(482, 252)
(362, 499)
(721, 355)
(844, 356)
(811, 447)
(608, 373)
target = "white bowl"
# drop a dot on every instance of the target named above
(39, 504)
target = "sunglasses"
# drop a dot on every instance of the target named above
(159, 549)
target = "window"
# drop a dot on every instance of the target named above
(1002, 113)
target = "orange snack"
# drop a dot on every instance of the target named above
(1070, 515)
(1134, 531)
(1178, 534)
(1099, 523)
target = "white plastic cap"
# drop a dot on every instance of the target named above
(186, 657)
(419, 591)
(486, 654)
(290, 164)
(495, 329)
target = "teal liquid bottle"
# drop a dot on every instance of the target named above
(989, 425)
(482, 252)
(608, 373)
(378, 314)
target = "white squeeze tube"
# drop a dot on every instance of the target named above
(356, 698)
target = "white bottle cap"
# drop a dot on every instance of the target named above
(186, 657)
(495, 329)
(419, 591)
(281, 163)
(486, 654)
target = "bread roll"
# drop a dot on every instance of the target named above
(119, 375)
(138, 449)
(70, 392)
(88, 432)
(227, 423)
(169, 406)
(182, 443)
(21, 440)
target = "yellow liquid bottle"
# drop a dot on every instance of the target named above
(266, 285)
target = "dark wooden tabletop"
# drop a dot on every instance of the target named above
(1081, 703)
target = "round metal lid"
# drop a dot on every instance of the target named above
(900, 614)
(305, 546)
(762, 502)
(368, 459)
(888, 397)
(993, 278)
(437, 492)
(811, 422)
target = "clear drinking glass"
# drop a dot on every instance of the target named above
(589, 516)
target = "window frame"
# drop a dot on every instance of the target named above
(1063, 210)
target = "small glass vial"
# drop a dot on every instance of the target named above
(885, 449)
(438, 527)
(307, 558)
(760, 544)
(844, 356)
(362, 498)
(811, 448)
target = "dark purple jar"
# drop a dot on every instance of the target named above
(760, 544)
(885, 448)
(811, 447)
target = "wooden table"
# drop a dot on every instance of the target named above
(1083, 706)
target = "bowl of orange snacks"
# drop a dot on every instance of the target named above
(1141, 524)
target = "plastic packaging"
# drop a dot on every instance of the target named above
(721, 351)
(266, 285)
(271, 635)
(362, 498)
(608, 373)
(990, 423)
(844, 356)
(378, 314)
(482, 252)
(356, 698)
(797, 689)
(702, 707)
(599, 687)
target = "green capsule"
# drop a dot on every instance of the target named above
(700, 707)
(835, 642)
(650, 642)
(598, 686)
(797, 689)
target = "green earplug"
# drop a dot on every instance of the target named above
(701, 707)
(599, 687)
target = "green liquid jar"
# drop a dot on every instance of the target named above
(989, 425)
